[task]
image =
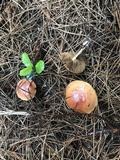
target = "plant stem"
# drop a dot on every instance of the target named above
(30, 76)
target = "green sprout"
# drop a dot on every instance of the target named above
(30, 68)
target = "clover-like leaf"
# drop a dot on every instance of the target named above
(26, 71)
(26, 60)
(39, 67)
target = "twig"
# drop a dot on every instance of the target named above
(11, 112)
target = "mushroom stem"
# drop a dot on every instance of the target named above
(75, 57)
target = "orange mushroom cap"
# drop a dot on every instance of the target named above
(81, 97)
(26, 89)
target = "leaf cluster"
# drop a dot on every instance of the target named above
(38, 67)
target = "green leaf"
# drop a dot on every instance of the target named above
(26, 60)
(26, 71)
(39, 66)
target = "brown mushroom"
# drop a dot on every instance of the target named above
(26, 89)
(81, 97)
(73, 62)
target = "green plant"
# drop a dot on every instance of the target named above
(31, 68)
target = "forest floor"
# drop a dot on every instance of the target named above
(50, 130)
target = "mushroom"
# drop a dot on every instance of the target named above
(26, 89)
(81, 97)
(73, 62)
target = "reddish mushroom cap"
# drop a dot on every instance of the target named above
(81, 97)
(26, 89)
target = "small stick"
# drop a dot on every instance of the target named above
(10, 112)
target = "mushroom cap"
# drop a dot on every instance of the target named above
(81, 97)
(76, 66)
(26, 89)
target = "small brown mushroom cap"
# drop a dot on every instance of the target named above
(74, 66)
(81, 97)
(26, 89)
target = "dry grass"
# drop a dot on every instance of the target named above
(52, 131)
